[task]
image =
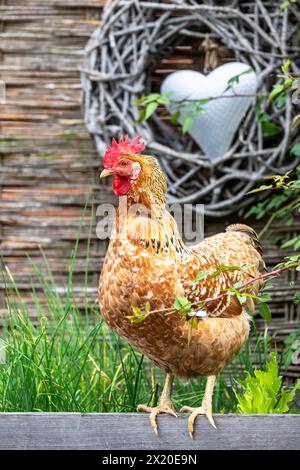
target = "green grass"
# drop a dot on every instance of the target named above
(68, 364)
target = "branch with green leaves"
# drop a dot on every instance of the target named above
(284, 200)
(288, 84)
(190, 309)
(283, 203)
(187, 109)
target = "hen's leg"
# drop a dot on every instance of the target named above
(205, 408)
(165, 404)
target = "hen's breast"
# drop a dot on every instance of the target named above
(133, 275)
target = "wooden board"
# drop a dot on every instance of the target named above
(112, 431)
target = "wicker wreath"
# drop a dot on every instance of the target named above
(135, 36)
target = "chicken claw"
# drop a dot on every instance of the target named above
(202, 410)
(155, 411)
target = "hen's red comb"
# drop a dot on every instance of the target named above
(123, 147)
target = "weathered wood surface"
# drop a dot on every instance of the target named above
(112, 431)
(48, 165)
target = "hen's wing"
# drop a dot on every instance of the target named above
(237, 254)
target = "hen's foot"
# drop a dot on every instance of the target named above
(202, 410)
(166, 407)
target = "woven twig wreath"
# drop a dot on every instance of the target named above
(127, 47)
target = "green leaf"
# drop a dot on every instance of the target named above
(278, 88)
(175, 117)
(280, 100)
(295, 150)
(140, 101)
(284, 5)
(242, 298)
(137, 311)
(141, 117)
(238, 284)
(165, 98)
(290, 242)
(264, 297)
(150, 109)
(264, 117)
(296, 298)
(236, 79)
(264, 187)
(293, 258)
(286, 398)
(288, 82)
(286, 66)
(267, 287)
(270, 128)
(138, 315)
(194, 323)
(187, 124)
(183, 305)
(152, 97)
(265, 312)
(258, 105)
(202, 275)
(180, 302)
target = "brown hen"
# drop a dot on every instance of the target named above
(148, 263)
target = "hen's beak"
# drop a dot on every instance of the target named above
(106, 172)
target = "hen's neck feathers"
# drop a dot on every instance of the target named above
(143, 214)
(150, 188)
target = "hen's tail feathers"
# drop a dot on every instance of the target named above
(251, 235)
(248, 232)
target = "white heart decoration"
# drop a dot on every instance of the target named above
(215, 128)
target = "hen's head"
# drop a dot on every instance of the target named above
(133, 172)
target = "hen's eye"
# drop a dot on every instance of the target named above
(122, 163)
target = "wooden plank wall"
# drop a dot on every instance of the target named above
(48, 165)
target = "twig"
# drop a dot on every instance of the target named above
(212, 98)
(253, 279)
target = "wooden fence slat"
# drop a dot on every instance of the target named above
(112, 431)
